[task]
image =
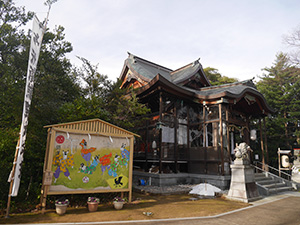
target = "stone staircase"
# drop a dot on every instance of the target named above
(268, 184)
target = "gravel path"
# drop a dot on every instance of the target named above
(175, 189)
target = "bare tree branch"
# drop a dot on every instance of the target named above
(293, 41)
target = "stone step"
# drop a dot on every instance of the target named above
(259, 175)
(263, 178)
(269, 186)
(267, 181)
(281, 189)
(275, 185)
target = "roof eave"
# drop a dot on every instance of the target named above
(162, 81)
(227, 94)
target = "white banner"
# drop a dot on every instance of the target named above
(35, 45)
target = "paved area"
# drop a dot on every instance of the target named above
(274, 210)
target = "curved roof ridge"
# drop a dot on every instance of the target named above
(184, 67)
(149, 62)
(248, 82)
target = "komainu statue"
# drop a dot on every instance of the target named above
(241, 151)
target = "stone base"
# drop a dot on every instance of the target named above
(170, 179)
(243, 200)
(242, 187)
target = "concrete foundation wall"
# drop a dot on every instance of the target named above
(223, 182)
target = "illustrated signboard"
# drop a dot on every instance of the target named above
(89, 162)
(87, 157)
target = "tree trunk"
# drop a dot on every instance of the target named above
(286, 131)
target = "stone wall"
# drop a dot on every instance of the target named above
(223, 182)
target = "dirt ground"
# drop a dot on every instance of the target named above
(156, 206)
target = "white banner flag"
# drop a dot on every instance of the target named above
(35, 46)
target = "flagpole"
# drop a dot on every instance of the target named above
(11, 178)
(46, 21)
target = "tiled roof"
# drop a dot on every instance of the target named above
(148, 70)
(175, 81)
(233, 89)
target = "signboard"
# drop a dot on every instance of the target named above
(89, 156)
(89, 163)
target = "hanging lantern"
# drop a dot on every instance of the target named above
(253, 135)
(154, 146)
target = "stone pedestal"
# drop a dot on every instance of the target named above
(242, 187)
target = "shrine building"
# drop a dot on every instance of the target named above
(193, 127)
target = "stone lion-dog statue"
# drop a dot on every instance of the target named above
(241, 151)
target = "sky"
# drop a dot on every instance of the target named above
(237, 37)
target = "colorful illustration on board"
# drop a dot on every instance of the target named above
(118, 182)
(89, 162)
(62, 162)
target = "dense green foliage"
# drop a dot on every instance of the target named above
(102, 98)
(216, 78)
(62, 93)
(280, 84)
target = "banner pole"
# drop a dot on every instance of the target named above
(12, 180)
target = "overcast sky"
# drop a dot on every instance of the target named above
(237, 37)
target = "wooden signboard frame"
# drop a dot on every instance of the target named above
(90, 129)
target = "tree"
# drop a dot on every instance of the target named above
(54, 86)
(103, 99)
(124, 107)
(11, 37)
(216, 78)
(96, 84)
(293, 41)
(12, 74)
(11, 63)
(281, 88)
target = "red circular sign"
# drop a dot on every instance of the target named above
(60, 139)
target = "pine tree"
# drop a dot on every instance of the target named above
(281, 86)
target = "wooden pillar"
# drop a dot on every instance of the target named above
(221, 138)
(147, 145)
(247, 139)
(131, 168)
(279, 161)
(266, 143)
(48, 164)
(160, 130)
(228, 134)
(175, 136)
(262, 146)
(44, 188)
(204, 139)
(246, 133)
(188, 135)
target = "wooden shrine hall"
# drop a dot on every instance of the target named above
(193, 126)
